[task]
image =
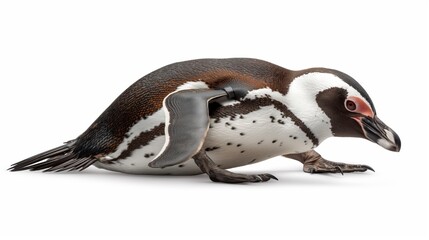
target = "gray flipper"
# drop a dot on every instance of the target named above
(187, 124)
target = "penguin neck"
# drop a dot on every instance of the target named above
(301, 100)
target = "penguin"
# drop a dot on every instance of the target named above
(209, 115)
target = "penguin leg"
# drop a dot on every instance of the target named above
(315, 163)
(218, 174)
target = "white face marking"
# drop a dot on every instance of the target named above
(301, 100)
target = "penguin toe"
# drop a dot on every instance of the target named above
(356, 168)
(229, 177)
(368, 168)
(267, 177)
(325, 166)
(339, 170)
(261, 177)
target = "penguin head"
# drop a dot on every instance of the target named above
(348, 108)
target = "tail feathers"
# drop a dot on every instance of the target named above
(58, 159)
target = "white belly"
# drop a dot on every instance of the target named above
(230, 142)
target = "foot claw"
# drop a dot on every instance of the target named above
(265, 177)
(259, 178)
(271, 176)
(274, 177)
(368, 168)
(339, 170)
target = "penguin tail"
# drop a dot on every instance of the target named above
(58, 159)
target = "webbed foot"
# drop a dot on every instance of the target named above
(325, 166)
(314, 163)
(218, 174)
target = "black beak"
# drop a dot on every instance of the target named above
(376, 131)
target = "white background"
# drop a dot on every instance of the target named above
(62, 64)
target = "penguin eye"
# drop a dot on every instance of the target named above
(350, 105)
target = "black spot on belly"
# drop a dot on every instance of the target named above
(242, 151)
(217, 120)
(295, 137)
(211, 148)
(152, 154)
(232, 118)
(228, 143)
(274, 141)
(147, 155)
(181, 165)
(132, 164)
(227, 123)
(254, 121)
(242, 134)
(239, 145)
(272, 119)
(281, 122)
(241, 117)
(233, 128)
(260, 141)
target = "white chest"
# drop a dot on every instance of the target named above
(248, 138)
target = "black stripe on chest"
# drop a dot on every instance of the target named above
(140, 141)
